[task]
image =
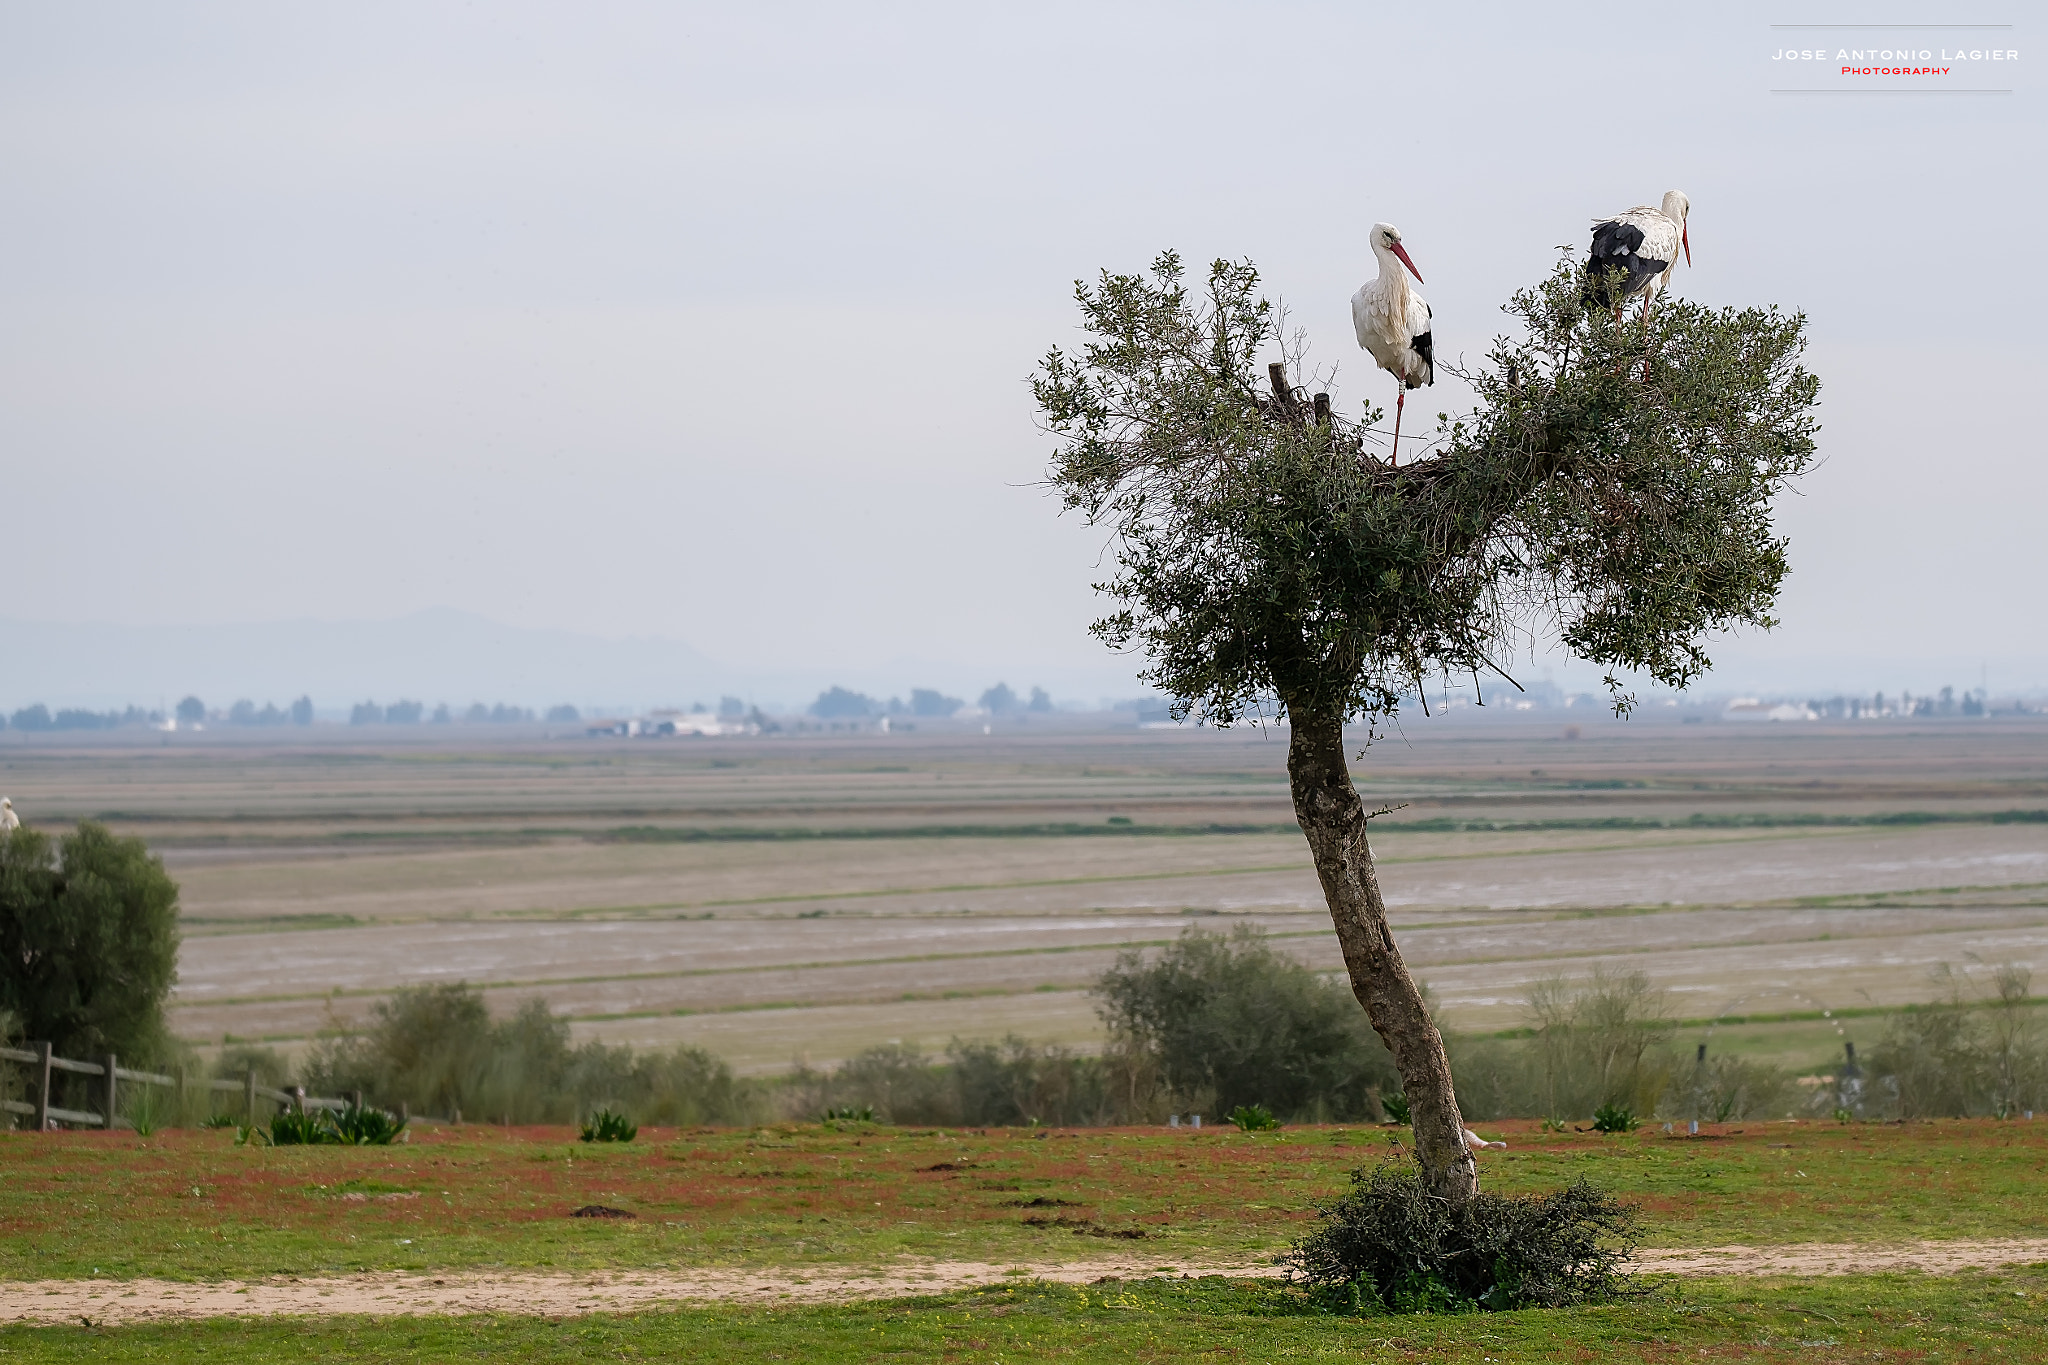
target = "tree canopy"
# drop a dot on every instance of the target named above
(1612, 489)
(88, 942)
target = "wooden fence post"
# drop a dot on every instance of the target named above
(42, 1066)
(249, 1092)
(355, 1099)
(113, 1090)
(299, 1098)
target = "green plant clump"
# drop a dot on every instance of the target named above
(850, 1113)
(362, 1126)
(1388, 1247)
(1254, 1118)
(605, 1126)
(299, 1128)
(1615, 1118)
(1395, 1106)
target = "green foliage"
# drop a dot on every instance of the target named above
(1254, 1118)
(1615, 1118)
(606, 1126)
(1603, 1039)
(1612, 490)
(1395, 1106)
(1959, 1056)
(850, 1113)
(218, 1121)
(362, 1126)
(1230, 1020)
(1387, 1246)
(301, 1128)
(88, 942)
(437, 1050)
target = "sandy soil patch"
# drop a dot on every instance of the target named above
(112, 1302)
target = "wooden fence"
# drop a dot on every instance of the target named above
(43, 1064)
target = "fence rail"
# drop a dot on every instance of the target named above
(42, 1065)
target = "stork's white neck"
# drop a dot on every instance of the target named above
(1393, 275)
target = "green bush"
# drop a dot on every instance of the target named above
(1254, 1118)
(1229, 1020)
(606, 1126)
(1615, 1118)
(850, 1113)
(1386, 1246)
(300, 1128)
(360, 1126)
(1395, 1106)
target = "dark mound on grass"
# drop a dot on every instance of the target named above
(600, 1211)
(1389, 1247)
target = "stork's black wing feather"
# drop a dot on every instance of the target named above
(1616, 248)
(1425, 347)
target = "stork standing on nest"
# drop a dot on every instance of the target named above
(1634, 253)
(1393, 322)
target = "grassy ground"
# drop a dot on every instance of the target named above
(190, 1205)
(1884, 1318)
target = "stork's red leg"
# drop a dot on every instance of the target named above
(1400, 402)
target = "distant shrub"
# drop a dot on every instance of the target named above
(1229, 1020)
(850, 1113)
(297, 1128)
(1615, 1118)
(1253, 1118)
(606, 1126)
(1386, 1246)
(360, 1126)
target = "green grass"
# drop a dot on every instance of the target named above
(190, 1205)
(1977, 1317)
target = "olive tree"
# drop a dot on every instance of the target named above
(88, 942)
(1611, 490)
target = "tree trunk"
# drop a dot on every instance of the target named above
(1333, 818)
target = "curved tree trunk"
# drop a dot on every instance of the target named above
(1333, 818)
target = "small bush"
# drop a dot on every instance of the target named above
(365, 1127)
(1615, 1118)
(221, 1121)
(1387, 1246)
(850, 1113)
(299, 1128)
(1395, 1107)
(1254, 1118)
(605, 1126)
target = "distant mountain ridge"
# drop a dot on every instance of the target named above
(435, 655)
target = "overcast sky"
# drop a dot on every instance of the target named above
(714, 322)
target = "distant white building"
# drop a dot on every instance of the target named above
(1751, 709)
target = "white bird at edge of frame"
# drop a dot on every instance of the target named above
(1393, 323)
(8, 819)
(1473, 1139)
(1642, 245)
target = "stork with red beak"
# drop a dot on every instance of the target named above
(1393, 322)
(1634, 253)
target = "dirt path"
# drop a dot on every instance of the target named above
(387, 1295)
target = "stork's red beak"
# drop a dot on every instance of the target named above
(1400, 251)
(1685, 240)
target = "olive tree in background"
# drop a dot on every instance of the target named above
(88, 942)
(1612, 490)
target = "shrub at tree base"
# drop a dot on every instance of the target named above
(1387, 1246)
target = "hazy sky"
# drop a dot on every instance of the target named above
(714, 322)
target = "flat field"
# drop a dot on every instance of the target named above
(798, 897)
(1115, 1243)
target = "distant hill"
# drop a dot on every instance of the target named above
(432, 656)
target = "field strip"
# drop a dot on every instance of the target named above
(1056, 950)
(113, 1302)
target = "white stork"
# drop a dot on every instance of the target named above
(1392, 323)
(9, 821)
(1473, 1139)
(1643, 245)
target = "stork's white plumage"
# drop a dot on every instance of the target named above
(1634, 253)
(1473, 1139)
(1393, 322)
(8, 819)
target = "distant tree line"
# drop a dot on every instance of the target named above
(842, 703)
